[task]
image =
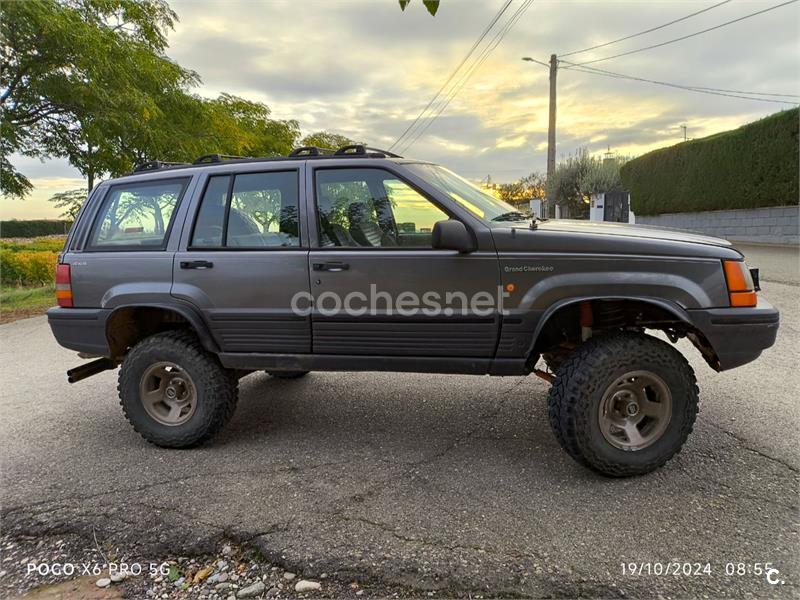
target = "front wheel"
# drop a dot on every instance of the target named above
(623, 404)
(173, 392)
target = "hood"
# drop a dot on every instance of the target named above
(597, 237)
(628, 230)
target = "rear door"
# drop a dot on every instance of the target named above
(244, 257)
(379, 286)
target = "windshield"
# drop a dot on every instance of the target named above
(483, 205)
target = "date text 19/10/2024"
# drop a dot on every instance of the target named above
(766, 570)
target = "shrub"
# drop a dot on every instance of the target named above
(28, 268)
(33, 228)
(49, 244)
(750, 167)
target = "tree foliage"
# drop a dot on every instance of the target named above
(524, 189)
(70, 201)
(88, 80)
(327, 140)
(431, 5)
(75, 69)
(579, 176)
(752, 166)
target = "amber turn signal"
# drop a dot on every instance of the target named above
(741, 290)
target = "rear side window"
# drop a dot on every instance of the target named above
(137, 216)
(249, 210)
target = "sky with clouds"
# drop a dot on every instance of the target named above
(365, 69)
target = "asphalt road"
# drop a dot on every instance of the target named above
(451, 484)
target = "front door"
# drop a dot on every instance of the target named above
(379, 287)
(243, 261)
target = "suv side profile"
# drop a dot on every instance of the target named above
(191, 276)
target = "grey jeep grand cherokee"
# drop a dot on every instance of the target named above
(191, 276)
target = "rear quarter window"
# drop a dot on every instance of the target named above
(137, 216)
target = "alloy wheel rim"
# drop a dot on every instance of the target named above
(635, 410)
(168, 394)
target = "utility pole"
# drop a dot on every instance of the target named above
(684, 132)
(551, 128)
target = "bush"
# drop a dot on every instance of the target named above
(750, 167)
(50, 244)
(33, 228)
(27, 268)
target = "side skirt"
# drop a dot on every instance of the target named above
(343, 362)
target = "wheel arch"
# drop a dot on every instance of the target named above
(128, 324)
(660, 314)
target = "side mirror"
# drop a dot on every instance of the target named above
(452, 235)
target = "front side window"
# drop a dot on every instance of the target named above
(251, 210)
(372, 208)
(137, 216)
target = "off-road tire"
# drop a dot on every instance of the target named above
(581, 381)
(216, 389)
(288, 374)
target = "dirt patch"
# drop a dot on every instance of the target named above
(82, 588)
(8, 316)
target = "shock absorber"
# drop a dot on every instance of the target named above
(587, 320)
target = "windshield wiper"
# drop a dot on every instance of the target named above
(513, 215)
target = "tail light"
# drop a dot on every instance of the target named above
(63, 286)
(741, 289)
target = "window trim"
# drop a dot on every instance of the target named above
(314, 201)
(100, 215)
(190, 247)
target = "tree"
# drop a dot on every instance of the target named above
(524, 189)
(74, 69)
(326, 140)
(71, 201)
(579, 176)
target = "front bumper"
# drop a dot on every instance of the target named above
(81, 329)
(738, 335)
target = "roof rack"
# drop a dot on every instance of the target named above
(361, 149)
(310, 151)
(155, 165)
(302, 153)
(215, 158)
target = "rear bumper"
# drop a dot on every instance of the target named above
(738, 335)
(81, 329)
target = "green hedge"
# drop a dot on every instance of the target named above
(33, 228)
(750, 167)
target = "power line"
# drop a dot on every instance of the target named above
(488, 49)
(628, 37)
(461, 64)
(700, 90)
(685, 37)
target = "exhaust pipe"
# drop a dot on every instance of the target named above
(89, 369)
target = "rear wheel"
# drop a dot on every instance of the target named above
(173, 392)
(623, 404)
(288, 374)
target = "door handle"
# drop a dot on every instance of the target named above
(331, 266)
(196, 264)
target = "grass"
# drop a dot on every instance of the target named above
(19, 302)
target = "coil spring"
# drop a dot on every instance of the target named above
(609, 315)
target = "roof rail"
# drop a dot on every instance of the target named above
(155, 165)
(361, 149)
(215, 158)
(302, 153)
(310, 151)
